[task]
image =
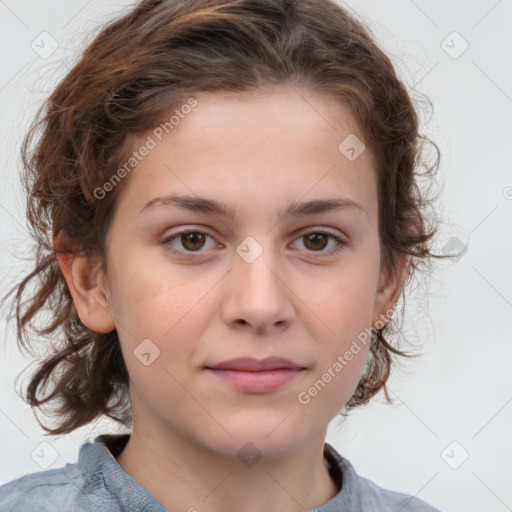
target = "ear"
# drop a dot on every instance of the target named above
(388, 291)
(88, 287)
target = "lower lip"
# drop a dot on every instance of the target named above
(257, 382)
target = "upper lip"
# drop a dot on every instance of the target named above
(255, 365)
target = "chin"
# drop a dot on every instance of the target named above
(269, 439)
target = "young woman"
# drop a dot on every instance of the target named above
(225, 197)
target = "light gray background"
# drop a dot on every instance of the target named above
(453, 402)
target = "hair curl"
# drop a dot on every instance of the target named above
(139, 68)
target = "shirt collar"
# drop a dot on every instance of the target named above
(97, 461)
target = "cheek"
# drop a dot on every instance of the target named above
(349, 317)
(151, 297)
(347, 314)
(345, 306)
(169, 309)
(346, 300)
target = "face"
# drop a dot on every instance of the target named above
(194, 283)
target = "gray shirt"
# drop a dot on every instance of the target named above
(97, 483)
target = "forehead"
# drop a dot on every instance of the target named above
(261, 115)
(273, 146)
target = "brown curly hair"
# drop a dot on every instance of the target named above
(139, 68)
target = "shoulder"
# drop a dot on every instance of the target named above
(44, 490)
(360, 493)
(392, 501)
(78, 487)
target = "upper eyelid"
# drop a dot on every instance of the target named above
(313, 229)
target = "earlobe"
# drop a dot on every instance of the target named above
(389, 290)
(87, 285)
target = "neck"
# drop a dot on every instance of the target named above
(186, 476)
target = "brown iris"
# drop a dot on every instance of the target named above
(193, 241)
(314, 238)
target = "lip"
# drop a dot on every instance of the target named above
(256, 376)
(249, 364)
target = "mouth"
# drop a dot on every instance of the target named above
(256, 376)
(248, 364)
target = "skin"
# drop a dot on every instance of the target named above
(297, 300)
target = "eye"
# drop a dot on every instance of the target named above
(192, 240)
(317, 241)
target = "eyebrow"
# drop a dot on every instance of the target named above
(212, 206)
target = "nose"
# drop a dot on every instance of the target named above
(258, 297)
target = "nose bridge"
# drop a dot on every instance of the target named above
(254, 266)
(258, 294)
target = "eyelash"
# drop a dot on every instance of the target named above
(341, 243)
